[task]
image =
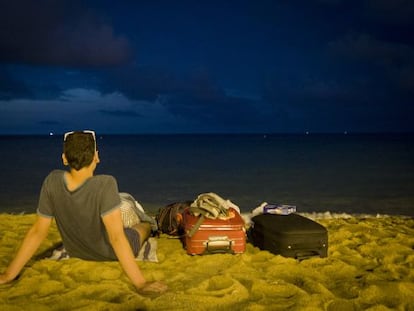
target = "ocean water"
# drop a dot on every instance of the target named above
(351, 173)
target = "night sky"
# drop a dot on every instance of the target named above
(206, 66)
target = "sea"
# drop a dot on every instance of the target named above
(335, 173)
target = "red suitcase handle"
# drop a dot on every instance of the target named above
(219, 245)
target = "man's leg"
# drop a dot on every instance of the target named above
(137, 235)
(144, 231)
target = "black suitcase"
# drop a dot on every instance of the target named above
(289, 235)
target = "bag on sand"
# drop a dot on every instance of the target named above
(213, 225)
(218, 235)
(132, 212)
(211, 205)
(291, 235)
(170, 218)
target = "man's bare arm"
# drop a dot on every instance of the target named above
(33, 239)
(123, 251)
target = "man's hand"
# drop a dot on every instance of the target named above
(152, 289)
(5, 278)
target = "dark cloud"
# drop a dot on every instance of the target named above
(205, 102)
(397, 12)
(406, 79)
(366, 48)
(140, 82)
(49, 122)
(388, 64)
(233, 66)
(63, 33)
(120, 113)
(218, 110)
(11, 88)
(196, 96)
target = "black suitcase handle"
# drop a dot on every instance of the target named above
(306, 254)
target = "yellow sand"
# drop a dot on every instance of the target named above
(370, 267)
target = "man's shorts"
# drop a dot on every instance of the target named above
(133, 239)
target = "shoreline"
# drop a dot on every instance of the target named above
(370, 265)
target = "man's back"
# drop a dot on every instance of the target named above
(78, 213)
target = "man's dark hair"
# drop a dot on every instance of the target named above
(79, 149)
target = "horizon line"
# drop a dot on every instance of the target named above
(305, 133)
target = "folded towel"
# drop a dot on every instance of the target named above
(59, 253)
(148, 251)
(211, 205)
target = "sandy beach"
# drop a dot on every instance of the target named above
(370, 266)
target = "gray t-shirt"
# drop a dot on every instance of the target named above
(78, 213)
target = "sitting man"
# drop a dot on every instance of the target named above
(88, 215)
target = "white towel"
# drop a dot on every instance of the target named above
(148, 251)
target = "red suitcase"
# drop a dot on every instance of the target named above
(215, 235)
